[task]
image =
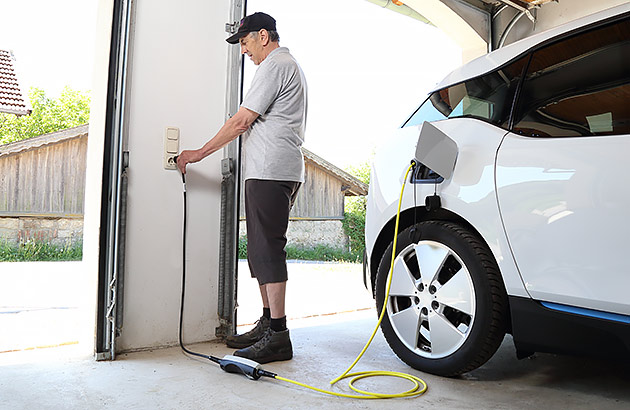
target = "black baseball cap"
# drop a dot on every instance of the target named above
(253, 22)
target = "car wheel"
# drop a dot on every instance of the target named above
(447, 310)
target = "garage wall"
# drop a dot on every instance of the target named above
(474, 44)
(554, 14)
(177, 78)
(453, 25)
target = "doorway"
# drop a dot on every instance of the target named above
(44, 285)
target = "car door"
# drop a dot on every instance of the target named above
(562, 174)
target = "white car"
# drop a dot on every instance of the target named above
(532, 227)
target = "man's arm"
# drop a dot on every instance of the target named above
(233, 127)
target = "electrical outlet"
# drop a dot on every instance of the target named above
(171, 147)
(170, 163)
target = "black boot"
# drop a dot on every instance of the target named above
(273, 347)
(251, 337)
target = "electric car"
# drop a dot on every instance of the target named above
(514, 217)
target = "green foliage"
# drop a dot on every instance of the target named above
(71, 109)
(242, 247)
(321, 253)
(318, 253)
(31, 251)
(354, 212)
(361, 172)
(354, 225)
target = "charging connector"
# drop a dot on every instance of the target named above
(247, 367)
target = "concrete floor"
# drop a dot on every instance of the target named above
(41, 302)
(329, 326)
(167, 379)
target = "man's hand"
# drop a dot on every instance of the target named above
(188, 157)
(233, 127)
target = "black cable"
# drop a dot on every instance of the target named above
(181, 310)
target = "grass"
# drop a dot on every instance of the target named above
(317, 253)
(31, 251)
(322, 253)
(38, 251)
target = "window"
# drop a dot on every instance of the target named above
(579, 86)
(488, 98)
(426, 112)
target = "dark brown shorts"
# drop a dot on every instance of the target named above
(267, 207)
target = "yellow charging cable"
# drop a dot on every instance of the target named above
(416, 390)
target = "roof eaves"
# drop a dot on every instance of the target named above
(6, 109)
(46, 139)
(355, 186)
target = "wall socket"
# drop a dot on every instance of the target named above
(171, 147)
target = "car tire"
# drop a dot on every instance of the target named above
(447, 312)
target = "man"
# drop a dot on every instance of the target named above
(271, 120)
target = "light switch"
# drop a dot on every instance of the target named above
(172, 133)
(171, 147)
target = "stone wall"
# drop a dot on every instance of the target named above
(63, 231)
(308, 234)
(59, 231)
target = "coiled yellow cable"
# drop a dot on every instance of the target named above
(417, 390)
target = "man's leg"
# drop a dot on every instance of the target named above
(275, 293)
(268, 218)
(249, 338)
(263, 296)
(276, 342)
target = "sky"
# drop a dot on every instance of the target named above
(367, 68)
(52, 41)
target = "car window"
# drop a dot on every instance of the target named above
(426, 112)
(488, 98)
(579, 86)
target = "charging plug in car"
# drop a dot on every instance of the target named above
(438, 152)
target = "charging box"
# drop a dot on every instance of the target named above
(436, 150)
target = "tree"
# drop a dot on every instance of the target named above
(354, 213)
(71, 109)
(361, 171)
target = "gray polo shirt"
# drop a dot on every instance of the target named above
(272, 145)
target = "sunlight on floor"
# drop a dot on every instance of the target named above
(40, 305)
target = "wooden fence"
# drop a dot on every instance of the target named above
(45, 175)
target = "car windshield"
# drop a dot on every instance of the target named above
(426, 112)
(488, 98)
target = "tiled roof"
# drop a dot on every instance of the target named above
(12, 100)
